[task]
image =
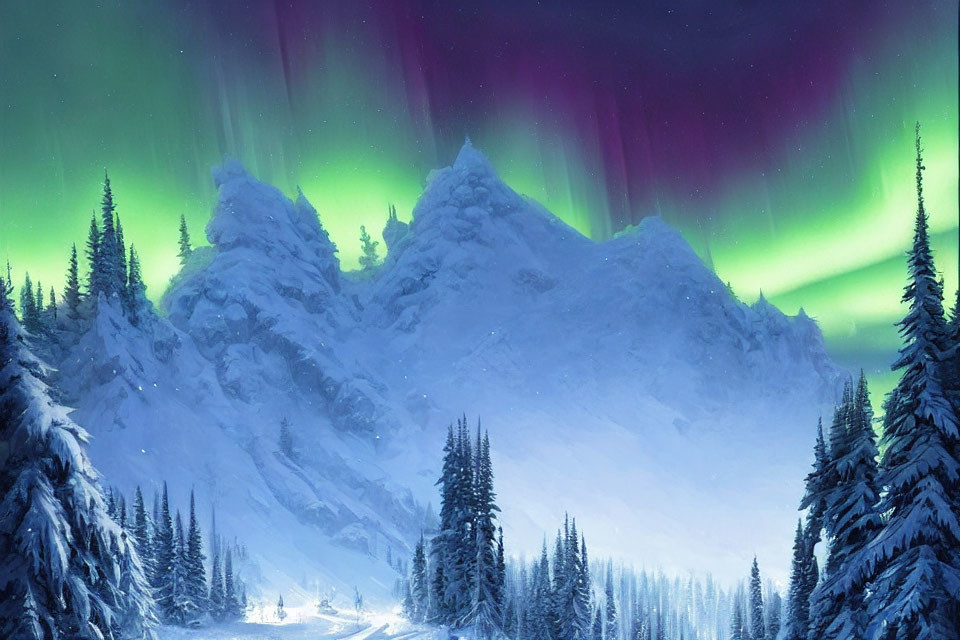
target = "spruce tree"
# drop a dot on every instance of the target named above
(231, 597)
(51, 315)
(94, 278)
(141, 533)
(369, 260)
(596, 632)
(216, 601)
(736, 621)
(774, 612)
(484, 613)
(136, 290)
(108, 262)
(420, 587)
(29, 312)
(165, 559)
(185, 249)
(917, 589)
(798, 603)
(62, 561)
(612, 629)
(182, 609)
(757, 627)
(121, 258)
(196, 581)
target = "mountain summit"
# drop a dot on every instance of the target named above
(620, 379)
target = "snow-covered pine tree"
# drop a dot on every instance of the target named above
(136, 290)
(182, 609)
(737, 624)
(818, 485)
(838, 603)
(165, 559)
(108, 257)
(94, 284)
(50, 318)
(916, 592)
(774, 612)
(484, 613)
(596, 632)
(369, 260)
(140, 531)
(184, 249)
(215, 603)
(757, 628)
(541, 605)
(611, 626)
(798, 601)
(28, 306)
(121, 258)
(443, 545)
(231, 596)
(194, 572)
(420, 588)
(61, 574)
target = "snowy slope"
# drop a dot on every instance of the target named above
(619, 380)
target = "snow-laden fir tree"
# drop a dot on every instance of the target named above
(184, 249)
(121, 258)
(136, 290)
(484, 613)
(774, 612)
(420, 586)
(757, 625)
(94, 284)
(50, 316)
(194, 572)
(738, 630)
(369, 260)
(108, 257)
(232, 608)
(798, 597)
(66, 569)
(916, 591)
(140, 532)
(838, 603)
(29, 311)
(610, 612)
(596, 632)
(215, 602)
(165, 559)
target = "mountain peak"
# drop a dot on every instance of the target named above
(472, 160)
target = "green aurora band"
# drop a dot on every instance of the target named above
(820, 223)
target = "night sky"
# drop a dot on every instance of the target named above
(776, 136)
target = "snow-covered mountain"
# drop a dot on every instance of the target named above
(619, 380)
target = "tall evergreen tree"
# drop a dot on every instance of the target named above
(94, 284)
(165, 559)
(420, 582)
(141, 534)
(737, 625)
(51, 314)
(121, 257)
(798, 603)
(61, 557)
(196, 581)
(612, 629)
(917, 590)
(774, 613)
(108, 260)
(838, 603)
(369, 259)
(216, 601)
(757, 627)
(231, 597)
(29, 311)
(484, 613)
(185, 250)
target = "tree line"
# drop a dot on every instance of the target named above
(173, 558)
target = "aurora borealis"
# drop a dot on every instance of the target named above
(777, 138)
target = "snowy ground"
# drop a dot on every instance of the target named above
(303, 624)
